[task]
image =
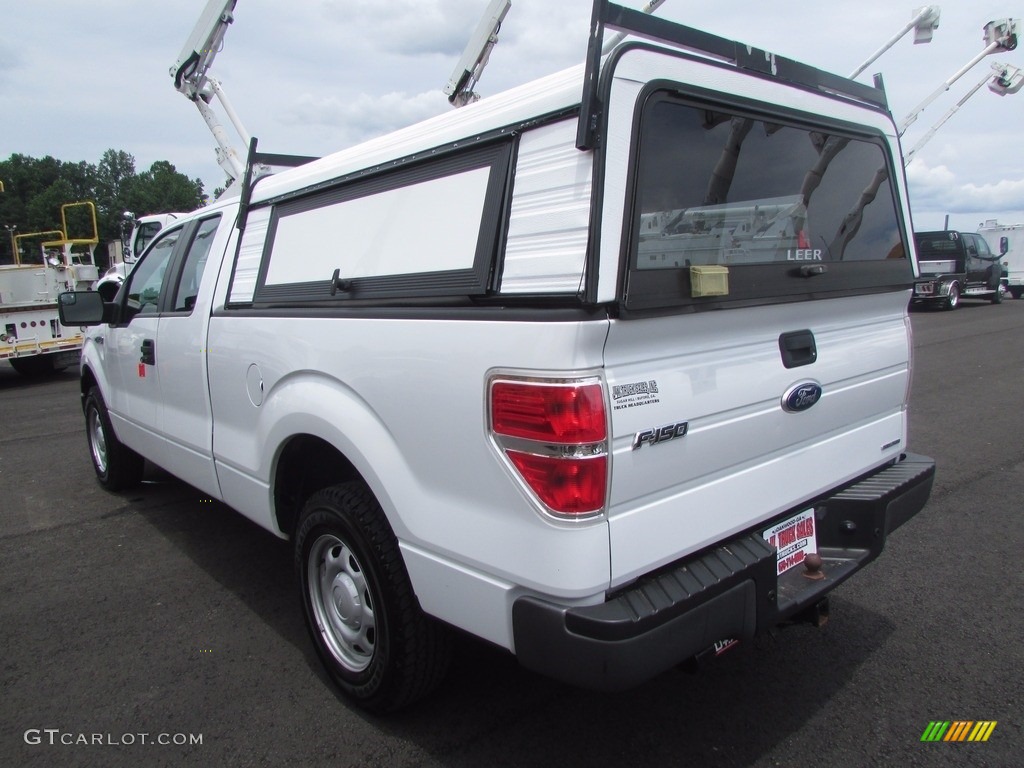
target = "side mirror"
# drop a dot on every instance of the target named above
(83, 308)
(1004, 245)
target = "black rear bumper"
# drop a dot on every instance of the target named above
(728, 591)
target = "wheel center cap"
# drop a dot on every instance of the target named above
(345, 596)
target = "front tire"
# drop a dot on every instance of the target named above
(117, 466)
(361, 613)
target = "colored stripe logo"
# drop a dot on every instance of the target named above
(959, 730)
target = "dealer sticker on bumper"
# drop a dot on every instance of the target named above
(794, 539)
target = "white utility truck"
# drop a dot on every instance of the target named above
(1008, 241)
(32, 339)
(605, 370)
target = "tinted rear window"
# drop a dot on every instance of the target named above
(939, 245)
(786, 209)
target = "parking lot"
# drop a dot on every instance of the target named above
(169, 627)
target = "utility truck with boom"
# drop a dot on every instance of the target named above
(564, 369)
(32, 339)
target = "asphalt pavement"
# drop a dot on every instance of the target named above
(157, 627)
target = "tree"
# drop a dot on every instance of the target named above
(35, 189)
(162, 189)
(115, 179)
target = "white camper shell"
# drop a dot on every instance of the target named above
(602, 370)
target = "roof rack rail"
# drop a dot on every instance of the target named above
(607, 14)
(253, 162)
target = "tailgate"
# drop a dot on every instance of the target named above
(704, 444)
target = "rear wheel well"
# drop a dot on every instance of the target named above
(307, 464)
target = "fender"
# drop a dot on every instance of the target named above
(340, 417)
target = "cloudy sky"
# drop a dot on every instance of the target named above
(314, 76)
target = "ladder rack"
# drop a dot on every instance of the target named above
(614, 16)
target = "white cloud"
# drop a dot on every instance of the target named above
(936, 191)
(364, 116)
(409, 27)
(921, 176)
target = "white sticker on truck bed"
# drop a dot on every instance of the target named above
(635, 394)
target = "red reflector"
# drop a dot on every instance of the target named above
(566, 486)
(549, 412)
(802, 240)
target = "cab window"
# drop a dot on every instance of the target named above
(187, 288)
(147, 231)
(146, 284)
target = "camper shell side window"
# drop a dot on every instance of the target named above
(429, 231)
(735, 206)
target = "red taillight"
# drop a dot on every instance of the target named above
(551, 412)
(554, 433)
(569, 486)
(802, 240)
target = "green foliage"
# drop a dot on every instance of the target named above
(35, 189)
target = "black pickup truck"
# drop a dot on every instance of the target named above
(954, 265)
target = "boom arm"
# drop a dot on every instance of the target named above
(1002, 82)
(474, 58)
(1000, 35)
(191, 77)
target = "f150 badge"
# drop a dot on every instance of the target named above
(801, 396)
(660, 434)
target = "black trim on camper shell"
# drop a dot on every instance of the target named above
(729, 591)
(859, 94)
(471, 281)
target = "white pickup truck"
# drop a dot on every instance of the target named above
(603, 370)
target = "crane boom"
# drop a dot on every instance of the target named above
(999, 35)
(192, 79)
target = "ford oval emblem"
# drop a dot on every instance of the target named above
(801, 396)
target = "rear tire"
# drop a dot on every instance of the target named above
(117, 466)
(953, 299)
(1016, 292)
(362, 615)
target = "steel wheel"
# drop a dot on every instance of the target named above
(953, 299)
(360, 608)
(97, 440)
(342, 603)
(117, 466)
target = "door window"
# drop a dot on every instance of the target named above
(195, 264)
(983, 249)
(146, 284)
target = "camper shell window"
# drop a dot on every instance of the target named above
(733, 206)
(427, 231)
